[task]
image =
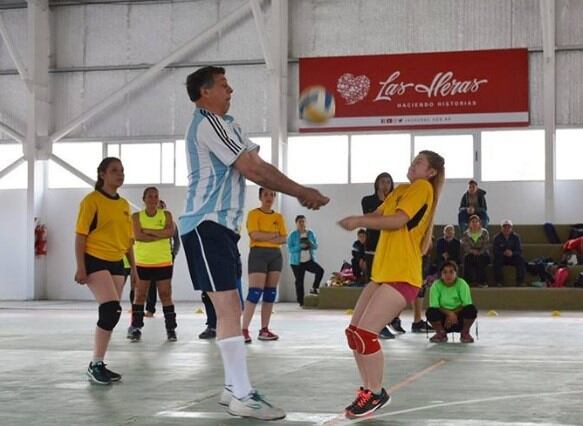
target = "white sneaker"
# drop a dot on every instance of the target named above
(226, 397)
(254, 406)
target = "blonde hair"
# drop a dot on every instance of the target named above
(437, 163)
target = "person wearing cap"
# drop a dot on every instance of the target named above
(448, 247)
(508, 251)
(473, 202)
(475, 244)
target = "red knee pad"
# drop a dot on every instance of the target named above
(350, 337)
(366, 341)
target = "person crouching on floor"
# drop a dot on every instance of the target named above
(450, 305)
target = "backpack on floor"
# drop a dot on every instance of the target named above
(551, 233)
(560, 278)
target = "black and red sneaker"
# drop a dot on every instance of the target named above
(367, 403)
(358, 392)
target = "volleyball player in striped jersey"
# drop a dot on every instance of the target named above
(219, 158)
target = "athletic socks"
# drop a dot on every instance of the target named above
(137, 316)
(234, 357)
(169, 317)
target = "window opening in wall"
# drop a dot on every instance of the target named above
(457, 151)
(371, 155)
(513, 155)
(318, 159)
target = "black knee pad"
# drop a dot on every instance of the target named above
(109, 313)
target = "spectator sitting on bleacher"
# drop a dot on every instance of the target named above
(448, 247)
(475, 243)
(473, 202)
(450, 306)
(358, 261)
(508, 251)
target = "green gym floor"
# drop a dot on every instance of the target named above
(525, 369)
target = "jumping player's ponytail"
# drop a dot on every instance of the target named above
(437, 163)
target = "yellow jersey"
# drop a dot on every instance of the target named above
(107, 223)
(259, 221)
(398, 253)
(153, 254)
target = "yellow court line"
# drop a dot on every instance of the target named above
(407, 381)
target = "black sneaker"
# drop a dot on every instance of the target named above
(208, 333)
(98, 373)
(396, 326)
(134, 334)
(113, 376)
(421, 327)
(171, 335)
(314, 291)
(367, 403)
(386, 334)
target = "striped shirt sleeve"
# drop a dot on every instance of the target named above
(220, 138)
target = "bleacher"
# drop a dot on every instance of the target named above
(534, 245)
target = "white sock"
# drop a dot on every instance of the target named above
(234, 356)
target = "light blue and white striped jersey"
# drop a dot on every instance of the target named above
(216, 189)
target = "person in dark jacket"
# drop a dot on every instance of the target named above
(358, 252)
(448, 247)
(508, 251)
(473, 202)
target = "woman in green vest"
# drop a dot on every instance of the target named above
(153, 229)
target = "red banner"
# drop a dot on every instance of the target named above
(486, 88)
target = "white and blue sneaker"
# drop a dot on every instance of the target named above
(255, 407)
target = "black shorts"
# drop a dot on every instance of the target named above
(155, 274)
(94, 264)
(264, 260)
(213, 259)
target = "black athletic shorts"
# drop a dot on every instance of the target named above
(94, 264)
(213, 259)
(155, 274)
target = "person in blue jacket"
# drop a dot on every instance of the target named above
(302, 245)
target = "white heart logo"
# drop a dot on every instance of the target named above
(353, 89)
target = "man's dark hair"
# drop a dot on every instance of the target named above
(472, 181)
(361, 231)
(203, 78)
(300, 216)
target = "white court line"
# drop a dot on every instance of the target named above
(340, 418)
(314, 418)
(466, 402)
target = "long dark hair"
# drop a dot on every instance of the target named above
(102, 168)
(378, 179)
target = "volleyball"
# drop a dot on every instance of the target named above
(316, 105)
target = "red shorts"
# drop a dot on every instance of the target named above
(408, 291)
